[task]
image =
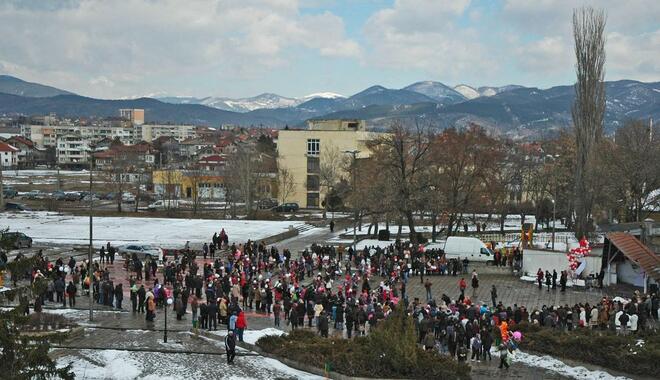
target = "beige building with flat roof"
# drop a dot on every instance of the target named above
(324, 142)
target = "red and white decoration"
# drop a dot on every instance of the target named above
(576, 254)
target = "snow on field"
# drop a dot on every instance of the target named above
(59, 228)
(37, 173)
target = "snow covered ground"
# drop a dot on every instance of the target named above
(557, 366)
(125, 365)
(252, 336)
(61, 228)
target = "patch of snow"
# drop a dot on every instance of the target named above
(164, 232)
(557, 366)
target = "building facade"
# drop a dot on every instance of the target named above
(134, 115)
(72, 150)
(8, 155)
(303, 153)
(150, 132)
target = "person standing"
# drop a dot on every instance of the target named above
(230, 347)
(119, 295)
(562, 280)
(71, 291)
(213, 315)
(205, 250)
(277, 308)
(427, 286)
(493, 295)
(141, 294)
(134, 297)
(102, 254)
(332, 226)
(323, 324)
(504, 360)
(554, 279)
(462, 285)
(548, 279)
(475, 283)
(539, 278)
(241, 325)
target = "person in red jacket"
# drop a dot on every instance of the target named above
(241, 325)
(462, 285)
(539, 278)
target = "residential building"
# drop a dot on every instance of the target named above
(135, 116)
(139, 155)
(303, 152)
(72, 150)
(47, 136)
(26, 154)
(8, 155)
(150, 132)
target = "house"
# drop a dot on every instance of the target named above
(212, 162)
(192, 146)
(26, 154)
(139, 155)
(8, 155)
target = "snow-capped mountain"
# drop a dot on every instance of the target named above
(467, 91)
(437, 91)
(471, 93)
(263, 101)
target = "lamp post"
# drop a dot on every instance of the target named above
(92, 149)
(554, 219)
(169, 302)
(355, 213)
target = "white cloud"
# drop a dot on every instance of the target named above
(115, 47)
(633, 56)
(425, 35)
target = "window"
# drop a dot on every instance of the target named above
(313, 147)
(312, 199)
(313, 165)
(313, 183)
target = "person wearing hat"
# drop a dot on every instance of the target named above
(230, 347)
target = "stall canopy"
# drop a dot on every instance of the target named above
(634, 250)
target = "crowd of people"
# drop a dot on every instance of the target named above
(335, 290)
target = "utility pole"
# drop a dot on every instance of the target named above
(554, 218)
(2, 191)
(92, 148)
(355, 212)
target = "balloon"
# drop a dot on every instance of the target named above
(517, 336)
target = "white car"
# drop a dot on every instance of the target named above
(142, 251)
(128, 198)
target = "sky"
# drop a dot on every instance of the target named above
(239, 48)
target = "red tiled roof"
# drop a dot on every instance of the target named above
(4, 147)
(22, 140)
(633, 249)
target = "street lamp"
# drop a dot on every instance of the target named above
(169, 303)
(92, 150)
(554, 220)
(355, 216)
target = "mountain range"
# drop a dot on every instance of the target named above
(517, 111)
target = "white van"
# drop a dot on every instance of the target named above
(461, 247)
(163, 205)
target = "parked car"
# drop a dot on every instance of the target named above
(11, 206)
(17, 239)
(9, 192)
(268, 203)
(110, 196)
(128, 198)
(89, 197)
(35, 194)
(163, 205)
(58, 195)
(72, 197)
(142, 251)
(286, 207)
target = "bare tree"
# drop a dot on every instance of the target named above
(403, 155)
(242, 177)
(634, 160)
(285, 184)
(589, 107)
(332, 167)
(117, 175)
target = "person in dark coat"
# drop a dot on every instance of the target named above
(323, 324)
(71, 291)
(213, 315)
(141, 294)
(230, 347)
(59, 290)
(119, 295)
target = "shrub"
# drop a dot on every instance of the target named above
(390, 350)
(602, 348)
